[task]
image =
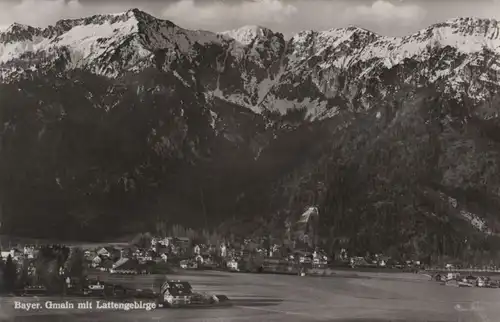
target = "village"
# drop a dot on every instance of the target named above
(27, 265)
(148, 254)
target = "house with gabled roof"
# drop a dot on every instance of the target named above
(120, 262)
(128, 266)
(96, 261)
(108, 252)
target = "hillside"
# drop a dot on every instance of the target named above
(113, 122)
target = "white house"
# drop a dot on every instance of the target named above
(5, 255)
(96, 261)
(232, 265)
(154, 240)
(165, 241)
(223, 250)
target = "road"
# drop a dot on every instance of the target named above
(263, 297)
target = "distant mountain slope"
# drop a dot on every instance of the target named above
(423, 181)
(112, 122)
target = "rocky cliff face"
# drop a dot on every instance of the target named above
(389, 136)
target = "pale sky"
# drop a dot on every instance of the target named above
(388, 17)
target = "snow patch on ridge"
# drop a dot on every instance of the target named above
(246, 34)
(111, 44)
(89, 39)
(393, 50)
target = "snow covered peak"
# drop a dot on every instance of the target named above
(141, 17)
(17, 27)
(355, 30)
(18, 32)
(467, 35)
(130, 21)
(468, 27)
(134, 12)
(470, 21)
(247, 34)
(106, 44)
(351, 34)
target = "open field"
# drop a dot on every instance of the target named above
(269, 297)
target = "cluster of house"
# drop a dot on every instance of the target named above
(170, 245)
(381, 261)
(131, 259)
(20, 253)
(109, 258)
(456, 279)
(126, 258)
(249, 253)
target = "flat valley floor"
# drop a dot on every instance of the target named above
(353, 297)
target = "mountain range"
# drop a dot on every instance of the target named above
(113, 123)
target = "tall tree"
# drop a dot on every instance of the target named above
(142, 241)
(10, 275)
(75, 263)
(74, 266)
(1, 261)
(2, 266)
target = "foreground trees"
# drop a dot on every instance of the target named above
(9, 276)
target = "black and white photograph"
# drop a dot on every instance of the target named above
(250, 160)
